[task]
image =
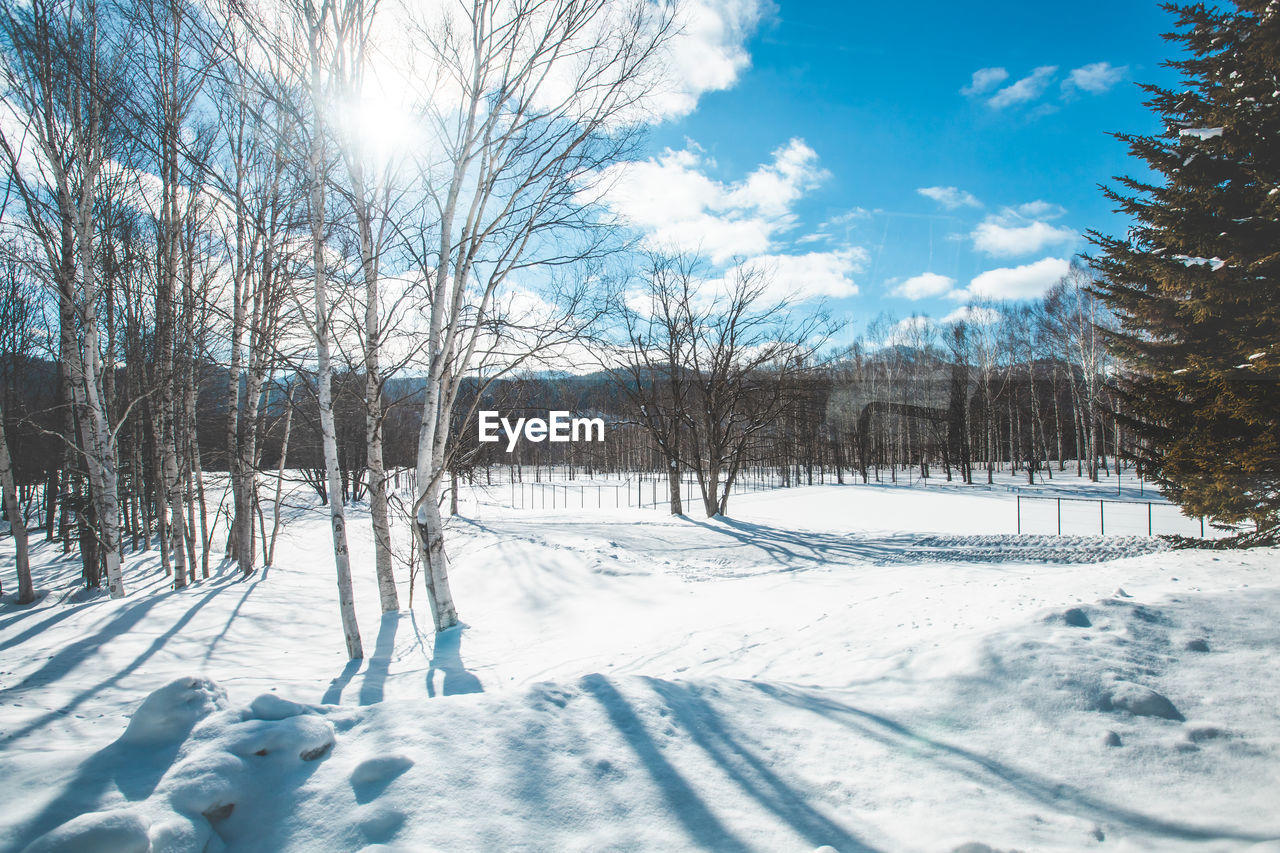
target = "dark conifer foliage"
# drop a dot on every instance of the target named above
(1196, 283)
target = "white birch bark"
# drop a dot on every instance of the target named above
(337, 515)
(17, 524)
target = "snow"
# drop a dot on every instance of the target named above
(834, 667)
(1214, 264)
(1201, 133)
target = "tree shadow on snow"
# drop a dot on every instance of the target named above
(333, 695)
(699, 822)
(446, 658)
(797, 549)
(377, 669)
(72, 655)
(133, 770)
(985, 770)
(753, 775)
(375, 676)
(447, 675)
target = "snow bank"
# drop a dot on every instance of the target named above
(1058, 733)
(856, 668)
(223, 781)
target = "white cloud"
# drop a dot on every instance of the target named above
(984, 80)
(709, 52)
(1095, 78)
(680, 207)
(772, 189)
(1040, 210)
(706, 51)
(848, 217)
(1021, 230)
(924, 286)
(807, 276)
(950, 197)
(1027, 89)
(913, 331)
(994, 238)
(1030, 281)
(973, 315)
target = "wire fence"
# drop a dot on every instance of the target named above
(1104, 517)
(552, 490)
(649, 490)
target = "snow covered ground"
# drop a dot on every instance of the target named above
(849, 668)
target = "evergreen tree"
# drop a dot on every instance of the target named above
(1196, 282)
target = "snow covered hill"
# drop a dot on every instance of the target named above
(848, 668)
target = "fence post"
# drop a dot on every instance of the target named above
(1059, 516)
(1019, 514)
(1102, 518)
(1202, 527)
(1148, 519)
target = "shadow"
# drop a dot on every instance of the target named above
(375, 676)
(709, 731)
(703, 827)
(251, 581)
(981, 768)
(333, 695)
(134, 770)
(63, 613)
(446, 658)
(58, 666)
(794, 550)
(797, 549)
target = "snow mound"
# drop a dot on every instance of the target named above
(1139, 701)
(231, 763)
(1076, 618)
(169, 713)
(119, 831)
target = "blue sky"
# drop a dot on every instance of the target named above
(853, 147)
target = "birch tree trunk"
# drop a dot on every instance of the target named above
(269, 546)
(87, 379)
(17, 524)
(378, 507)
(324, 379)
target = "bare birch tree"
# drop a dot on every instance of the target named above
(17, 525)
(325, 30)
(528, 101)
(369, 193)
(63, 79)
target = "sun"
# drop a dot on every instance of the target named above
(378, 126)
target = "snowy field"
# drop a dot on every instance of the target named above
(852, 668)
